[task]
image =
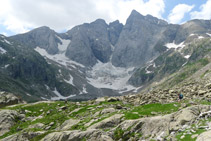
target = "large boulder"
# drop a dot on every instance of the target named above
(7, 99)
(26, 136)
(7, 120)
(108, 122)
(89, 135)
(68, 124)
(206, 136)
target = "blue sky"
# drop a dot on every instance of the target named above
(19, 16)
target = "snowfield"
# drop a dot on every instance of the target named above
(105, 75)
(2, 51)
(173, 45)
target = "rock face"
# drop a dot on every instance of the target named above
(7, 120)
(7, 99)
(93, 41)
(67, 124)
(43, 37)
(89, 135)
(138, 38)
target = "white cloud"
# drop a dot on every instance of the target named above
(21, 15)
(205, 12)
(178, 13)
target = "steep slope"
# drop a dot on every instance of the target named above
(24, 72)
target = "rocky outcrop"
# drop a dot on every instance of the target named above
(89, 135)
(26, 136)
(7, 99)
(8, 118)
(67, 124)
(108, 122)
(206, 136)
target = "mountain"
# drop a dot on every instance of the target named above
(98, 59)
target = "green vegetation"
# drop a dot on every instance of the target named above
(147, 110)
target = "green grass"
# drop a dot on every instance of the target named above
(145, 110)
(56, 116)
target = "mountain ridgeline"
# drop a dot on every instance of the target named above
(43, 64)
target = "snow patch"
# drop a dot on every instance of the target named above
(6, 66)
(105, 75)
(59, 58)
(63, 47)
(7, 42)
(70, 81)
(200, 37)
(59, 96)
(187, 56)
(28, 94)
(83, 91)
(192, 34)
(46, 86)
(173, 45)
(2, 51)
(208, 34)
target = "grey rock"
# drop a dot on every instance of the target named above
(67, 124)
(7, 120)
(89, 135)
(7, 99)
(108, 122)
(206, 136)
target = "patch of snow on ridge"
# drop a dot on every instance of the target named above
(173, 45)
(208, 34)
(59, 96)
(2, 51)
(70, 81)
(63, 47)
(200, 37)
(59, 58)
(105, 75)
(187, 56)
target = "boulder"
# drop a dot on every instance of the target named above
(7, 120)
(112, 99)
(26, 136)
(89, 135)
(7, 99)
(108, 110)
(206, 136)
(108, 122)
(67, 124)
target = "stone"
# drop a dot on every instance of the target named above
(108, 122)
(101, 99)
(206, 136)
(108, 110)
(37, 125)
(67, 124)
(112, 99)
(7, 99)
(51, 124)
(7, 120)
(89, 135)
(25, 136)
(63, 107)
(201, 92)
(194, 136)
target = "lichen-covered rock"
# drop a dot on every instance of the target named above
(7, 99)
(68, 124)
(7, 120)
(108, 122)
(89, 135)
(206, 136)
